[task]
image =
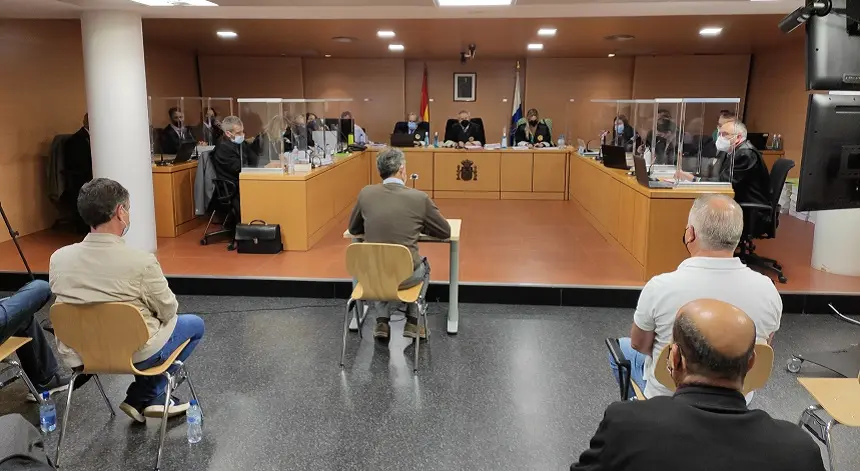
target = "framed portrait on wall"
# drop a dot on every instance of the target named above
(465, 87)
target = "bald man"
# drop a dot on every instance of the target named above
(713, 231)
(705, 425)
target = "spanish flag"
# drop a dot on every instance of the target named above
(425, 99)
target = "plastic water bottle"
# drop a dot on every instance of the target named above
(47, 413)
(436, 139)
(427, 140)
(561, 140)
(504, 138)
(195, 423)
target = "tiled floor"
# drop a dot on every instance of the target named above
(521, 388)
(519, 242)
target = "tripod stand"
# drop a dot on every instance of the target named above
(14, 235)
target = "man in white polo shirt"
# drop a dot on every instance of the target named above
(713, 231)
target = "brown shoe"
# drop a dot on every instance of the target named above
(382, 330)
(412, 330)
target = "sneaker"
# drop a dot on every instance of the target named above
(382, 330)
(176, 408)
(58, 384)
(132, 412)
(412, 330)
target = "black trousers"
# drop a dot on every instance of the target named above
(17, 319)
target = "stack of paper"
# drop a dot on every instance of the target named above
(790, 192)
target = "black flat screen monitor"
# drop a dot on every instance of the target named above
(833, 48)
(344, 127)
(830, 169)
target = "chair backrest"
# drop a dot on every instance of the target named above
(778, 175)
(225, 190)
(104, 335)
(756, 377)
(379, 268)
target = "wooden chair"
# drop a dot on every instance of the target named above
(756, 377)
(840, 398)
(106, 336)
(379, 269)
(9, 347)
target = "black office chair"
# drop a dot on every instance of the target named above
(761, 221)
(222, 200)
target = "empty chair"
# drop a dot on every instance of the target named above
(840, 398)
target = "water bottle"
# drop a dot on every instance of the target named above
(779, 142)
(427, 140)
(436, 139)
(504, 138)
(47, 413)
(195, 423)
(561, 140)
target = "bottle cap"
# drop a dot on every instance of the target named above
(46, 394)
(193, 402)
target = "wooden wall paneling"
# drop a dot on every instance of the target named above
(549, 172)
(251, 77)
(516, 171)
(663, 253)
(626, 212)
(641, 209)
(375, 85)
(778, 99)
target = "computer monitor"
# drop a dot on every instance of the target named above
(830, 169)
(344, 128)
(833, 48)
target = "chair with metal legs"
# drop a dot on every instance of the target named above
(9, 347)
(839, 398)
(378, 270)
(106, 336)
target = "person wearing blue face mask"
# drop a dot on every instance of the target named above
(231, 154)
(623, 133)
(413, 127)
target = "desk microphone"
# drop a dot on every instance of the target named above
(413, 177)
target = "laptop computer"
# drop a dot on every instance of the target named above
(183, 154)
(406, 140)
(758, 139)
(614, 157)
(642, 175)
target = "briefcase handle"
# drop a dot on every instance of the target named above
(258, 220)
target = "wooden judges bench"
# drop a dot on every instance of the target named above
(173, 190)
(486, 174)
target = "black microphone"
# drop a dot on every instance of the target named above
(413, 177)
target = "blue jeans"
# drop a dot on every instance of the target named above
(637, 365)
(149, 390)
(17, 318)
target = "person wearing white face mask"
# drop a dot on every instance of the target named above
(232, 153)
(104, 269)
(749, 175)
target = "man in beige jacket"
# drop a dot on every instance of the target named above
(103, 269)
(391, 213)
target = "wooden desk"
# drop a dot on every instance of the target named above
(486, 174)
(307, 204)
(173, 188)
(647, 223)
(453, 275)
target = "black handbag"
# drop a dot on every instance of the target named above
(260, 238)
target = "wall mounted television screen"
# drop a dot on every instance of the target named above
(830, 170)
(833, 48)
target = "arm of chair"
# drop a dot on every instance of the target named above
(756, 206)
(623, 367)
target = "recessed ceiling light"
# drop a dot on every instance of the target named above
(344, 39)
(611, 54)
(710, 31)
(227, 34)
(176, 3)
(473, 3)
(547, 32)
(619, 37)
(396, 47)
(385, 34)
(535, 47)
(328, 55)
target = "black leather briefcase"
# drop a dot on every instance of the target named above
(258, 237)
